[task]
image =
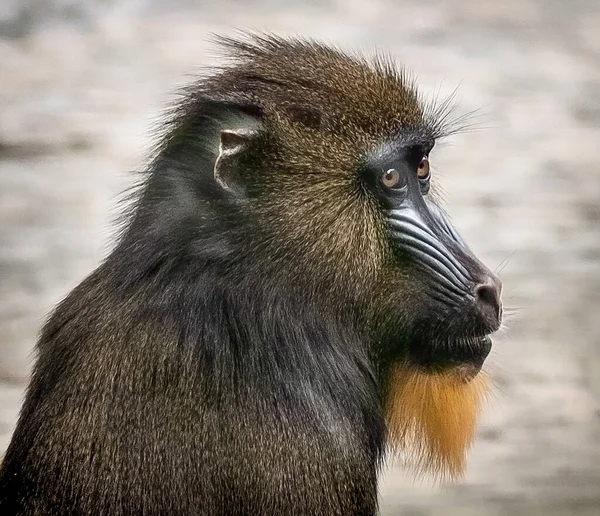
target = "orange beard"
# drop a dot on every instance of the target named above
(432, 418)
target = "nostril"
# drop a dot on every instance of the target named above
(487, 295)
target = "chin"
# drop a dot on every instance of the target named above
(436, 396)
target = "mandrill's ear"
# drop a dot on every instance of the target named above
(232, 145)
(236, 126)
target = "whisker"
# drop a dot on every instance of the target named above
(504, 263)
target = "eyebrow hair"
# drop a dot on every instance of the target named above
(401, 142)
(414, 137)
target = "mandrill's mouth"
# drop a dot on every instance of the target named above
(464, 356)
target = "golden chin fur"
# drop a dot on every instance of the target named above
(432, 418)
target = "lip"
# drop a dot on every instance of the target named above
(465, 356)
(470, 370)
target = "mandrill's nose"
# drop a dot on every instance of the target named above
(488, 300)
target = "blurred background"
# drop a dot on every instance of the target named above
(82, 83)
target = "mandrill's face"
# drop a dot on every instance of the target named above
(447, 300)
(448, 303)
(344, 203)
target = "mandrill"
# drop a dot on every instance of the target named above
(286, 302)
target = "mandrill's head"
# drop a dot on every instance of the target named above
(323, 169)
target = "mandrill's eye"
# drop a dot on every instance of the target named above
(424, 175)
(393, 179)
(423, 172)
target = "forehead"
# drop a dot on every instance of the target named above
(321, 87)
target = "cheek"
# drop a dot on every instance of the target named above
(402, 299)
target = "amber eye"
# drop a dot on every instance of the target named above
(392, 179)
(423, 168)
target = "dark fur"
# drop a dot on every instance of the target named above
(217, 363)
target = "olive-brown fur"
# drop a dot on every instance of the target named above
(225, 358)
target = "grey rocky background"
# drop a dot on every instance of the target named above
(82, 83)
